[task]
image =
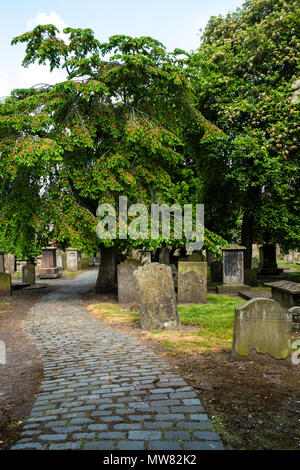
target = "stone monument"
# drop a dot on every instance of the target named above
(192, 282)
(267, 260)
(262, 326)
(10, 263)
(156, 297)
(5, 284)
(233, 270)
(28, 274)
(73, 260)
(127, 288)
(49, 268)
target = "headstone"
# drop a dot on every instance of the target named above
(192, 282)
(20, 263)
(2, 267)
(233, 269)
(10, 263)
(127, 289)
(278, 252)
(267, 260)
(156, 297)
(61, 259)
(216, 271)
(250, 277)
(295, 311)
(255, 251)
(142, 256)
(49, 268)
(73, 260)
(285, 292)
(38, 264)
(263, 327)
(5, 284)
(164, 256)
(254, 263)
(28, 274)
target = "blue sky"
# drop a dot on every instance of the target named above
(175, 23)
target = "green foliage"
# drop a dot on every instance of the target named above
(243, 73)
(121, 125)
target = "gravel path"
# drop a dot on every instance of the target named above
(102, 389)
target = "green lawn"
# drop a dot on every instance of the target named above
(285, 265)
(205, 327)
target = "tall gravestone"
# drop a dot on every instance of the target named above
(267, 260)
(233, 270)
(216, 271)
(262, 326)
(73, 260)
(28, 274)
(5, 284)
(156, 297)
(127, 289)
(295, 311)
(10, 263)
(49, 268)
(61, 259)
(192, 282)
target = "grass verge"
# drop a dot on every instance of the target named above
(205, 327)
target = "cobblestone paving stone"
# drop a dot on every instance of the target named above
(102, 389)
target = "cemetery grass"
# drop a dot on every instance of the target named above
(253, 406)
(21, 376)
(205, 326)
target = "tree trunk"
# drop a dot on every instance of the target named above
(107, 271)
(247, 238)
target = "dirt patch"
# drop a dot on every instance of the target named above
(20, 377)
(253, 406)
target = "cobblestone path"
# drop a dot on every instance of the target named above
(102, 389)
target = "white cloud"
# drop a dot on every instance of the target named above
(52, 18)
(36, 74)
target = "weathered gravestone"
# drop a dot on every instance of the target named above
(73, 260)
(192, 282)
(233, 270)
(5, 284)
(28, 274)
(2, 268)
(262, 326)
(127, 289)
(267, 260)
(295, 311)
(285, 292)
(49, 268)
(10, 263)
(156, 297)
(216, 271)
(61, 259)
(250, 277)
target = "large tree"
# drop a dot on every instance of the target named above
(121, 124)
(243, 72)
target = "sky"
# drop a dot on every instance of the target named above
(176, 23)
